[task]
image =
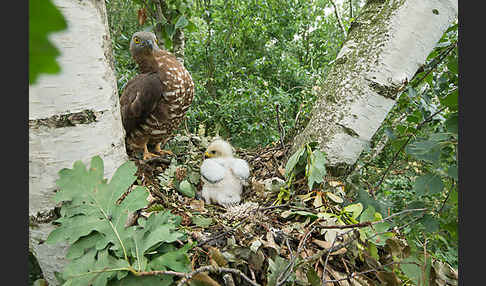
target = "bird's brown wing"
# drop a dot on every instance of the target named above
(139, 98)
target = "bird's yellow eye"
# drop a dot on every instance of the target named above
(136, 40)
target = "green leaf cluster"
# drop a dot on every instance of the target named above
(277, 267)
(103, 251)
(378, 234)
(44, 18)
(310, 160)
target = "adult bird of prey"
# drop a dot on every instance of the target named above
(155, 101)
(223, 175)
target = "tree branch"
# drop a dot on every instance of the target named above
(211, 268)
(338, 16)
(419, 126)
(280, 128)
(350, 9)
(436, 63)
(289, 269)
(324, 281)
(352, 275)
(371, 223)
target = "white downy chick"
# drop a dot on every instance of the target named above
(223, 175)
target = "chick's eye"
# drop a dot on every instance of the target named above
(136, 40)
(213, 152)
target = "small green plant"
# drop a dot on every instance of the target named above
(103, 251)
(306, 160)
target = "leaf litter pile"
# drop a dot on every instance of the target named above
(294, 226)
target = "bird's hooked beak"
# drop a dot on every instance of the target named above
(207, 155)
(148, 43)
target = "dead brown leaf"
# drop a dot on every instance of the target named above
(197, 205)
(281, 171)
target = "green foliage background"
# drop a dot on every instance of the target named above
(244, 57)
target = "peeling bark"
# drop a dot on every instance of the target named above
(385, 46)
(73, 115)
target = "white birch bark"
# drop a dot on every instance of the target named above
(386, 45)
(86, 85)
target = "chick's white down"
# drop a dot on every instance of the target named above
(223, 175)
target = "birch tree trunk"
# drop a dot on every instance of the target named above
(73, 115)
(387, 43)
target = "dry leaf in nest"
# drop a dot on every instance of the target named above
(444, 274)
(338, 275)
(204, 279)
(132, 218)
(327, 245)
(270, 242)
(281, 171)
(197, 205)
(388, 278)
(258, 187)
(216, 258)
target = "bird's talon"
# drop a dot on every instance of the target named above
(148, 155)
(164, 152)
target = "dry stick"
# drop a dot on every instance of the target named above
(441, 58)
(216, 269)
(448, 194)
(296, 120)
(350, 9)
(419, 126)
(290, 266)
(352, 275)
(161, 272)
(228, 280)
(424, 268)
(332, 249)
(346, 267)
(336, 11)
(324, 281)
(280, 128)
(156, 160)
(288, 246)
(370, 223)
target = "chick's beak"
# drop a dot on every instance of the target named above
(207, 155)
